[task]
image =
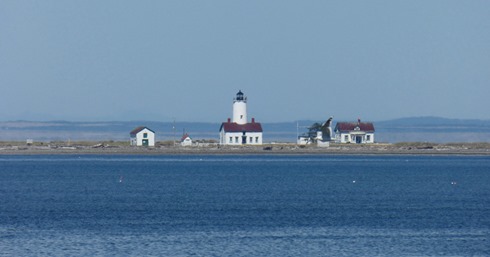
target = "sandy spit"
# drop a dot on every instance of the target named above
(291, 149)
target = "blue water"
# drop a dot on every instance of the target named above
(244, 206)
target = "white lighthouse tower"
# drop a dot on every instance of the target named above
(240, 109)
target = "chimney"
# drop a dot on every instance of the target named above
(253, 120)
(229, 120)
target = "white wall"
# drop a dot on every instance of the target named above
(186, 142)
(132, 141)
(256, 138)
(240, 112)
(371, 138)
(351, 137)
(322, 144)
(222, 139)
(253, 138)
(303, 140)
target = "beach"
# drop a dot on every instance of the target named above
(17, 148)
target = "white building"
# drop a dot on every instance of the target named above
(186, 140)
(354, 132)
(142, 136)
(238, 131)
(307, 140)
(303, 140)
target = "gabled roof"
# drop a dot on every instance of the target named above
(234, 127)
(351, 126)
(184, 137)
(138, 130)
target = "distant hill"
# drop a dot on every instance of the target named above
(413, 129)
(430, 123)
(433, 129)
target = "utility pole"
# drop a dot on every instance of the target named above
(297, 131)
(173, 129)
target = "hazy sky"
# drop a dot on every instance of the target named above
(185, 60)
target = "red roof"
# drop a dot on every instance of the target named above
(138, 130)
(351, 126)
(184, 137)
(234, 127)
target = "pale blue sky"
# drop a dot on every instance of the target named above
(159, 60)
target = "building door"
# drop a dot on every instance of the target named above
(244, 138)
(145, 142)
(358, 139)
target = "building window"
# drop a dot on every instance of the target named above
(346, 138)
(257, 140)
(236, 140)
(145, 135)
(368, 137)
(231, 140)
(250, 139)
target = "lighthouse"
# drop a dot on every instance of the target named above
(240, 108)
(238, 131)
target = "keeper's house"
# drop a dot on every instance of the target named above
(232, 133)
(354, 132)
(142, 136)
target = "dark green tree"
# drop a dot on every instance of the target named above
(313, 129)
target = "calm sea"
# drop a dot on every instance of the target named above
(244, 205)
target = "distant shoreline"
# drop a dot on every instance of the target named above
(412, 129)
(119, 148)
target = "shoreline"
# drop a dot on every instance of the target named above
(477, 149)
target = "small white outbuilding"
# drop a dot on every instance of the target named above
(142, 136)
(186, 140)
